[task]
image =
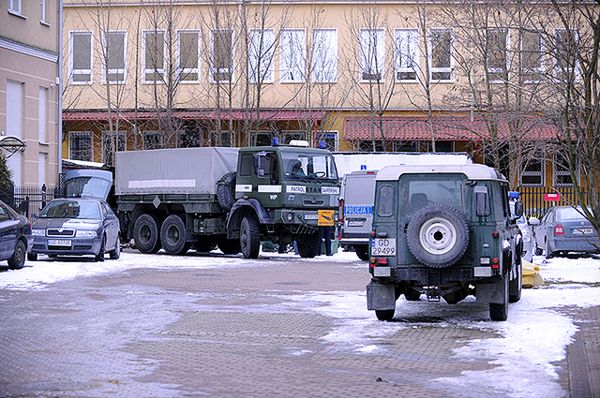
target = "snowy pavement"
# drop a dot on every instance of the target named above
(525, 350)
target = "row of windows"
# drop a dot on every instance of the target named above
(15, 7)
(322, 65)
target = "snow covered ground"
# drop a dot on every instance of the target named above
(525, 351)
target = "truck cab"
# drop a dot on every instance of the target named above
(444, 232)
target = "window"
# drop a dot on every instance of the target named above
(114, 54)
(153, 140)
(440, 55)
(565, 55)
(562, 175)
(15, 6)
(289, 136)
(154, 56)
(367, 146)
(444, 146)
(42, 160)
(405, 146)
(260, 138)
(330, 138)
(372, 54)
(188, 57)
(42, 113)
(532, 61)
(385, 201)
(407, 54)
(497, 57)
(260, 56)
(80, 145)
(221, 55)
(112, 142)
(80, 61)
(293, 55)
(532, 169)
(189, 138)
(246, 165)
(43, 11)
(222, 138)
(324, 56)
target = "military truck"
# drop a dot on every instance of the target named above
(444, 232)
(226, 197)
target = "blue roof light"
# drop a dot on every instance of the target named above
(513, 195)
(275, 141)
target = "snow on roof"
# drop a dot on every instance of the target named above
(72, 163)
(472, 171)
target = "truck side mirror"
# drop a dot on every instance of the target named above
(534, 221)
(518, 209)
(482, 202)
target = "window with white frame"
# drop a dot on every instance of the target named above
(532, 60)
(407, 54)
(221, 138)
(532, 169)
(372, 54)
(42, 160)
(293, 55)
(565, 55)
(497, 54)
(14, 6)
(80, 145)
(80, 60)
(112, 142)
(153, 140)
(324, 56)
(114, 54)
(221, 55)
(154, 56)
(42, 113)
(261, 50)
(561, 170)
(43, 11)
(188, 56)
(329, 139)
(440, 55)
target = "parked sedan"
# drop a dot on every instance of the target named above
(15, 237)
(74, 226)
(564, 229)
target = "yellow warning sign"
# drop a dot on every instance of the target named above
(325, 218)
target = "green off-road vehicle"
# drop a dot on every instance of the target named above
(445, 232)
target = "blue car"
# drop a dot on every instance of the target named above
(15, 237)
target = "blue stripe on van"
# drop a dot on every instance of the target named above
(355, 210)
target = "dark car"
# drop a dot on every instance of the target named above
(75, 226)
(15, 237)
(564, 229)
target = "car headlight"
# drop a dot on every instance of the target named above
(86, 234)
(38, 232)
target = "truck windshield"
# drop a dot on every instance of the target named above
(425, 192)
(302, 166)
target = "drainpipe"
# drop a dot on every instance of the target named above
(60, 84)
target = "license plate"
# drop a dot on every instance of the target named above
(356, 223)
(382, 271)
(59, 242)
(583, 231)
(383, 247)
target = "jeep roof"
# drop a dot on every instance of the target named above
(472, 171)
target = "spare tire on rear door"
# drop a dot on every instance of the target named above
(438, 235)
(226, 191)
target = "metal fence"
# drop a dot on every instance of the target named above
(535, 203)
(28, 200)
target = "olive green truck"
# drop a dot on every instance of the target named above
(201, 198)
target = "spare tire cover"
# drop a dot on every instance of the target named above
(226, 191)
(438, 235)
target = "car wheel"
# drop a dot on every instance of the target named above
(32, 256)
(549, 253)
(145, 234)
(173, 235)
(249, 237)
(101, 252)
(385, 315)
(116, 253)
(17, 261)
(516, 285)
(499, 312)
(362, 252)
(308, 245)
(438, 235)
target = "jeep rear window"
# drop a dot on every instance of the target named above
(425, 192)
(385, 201)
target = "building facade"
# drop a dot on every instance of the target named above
(29, 89)
(400, 76)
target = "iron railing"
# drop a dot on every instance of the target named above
(535, 203)
(28, 200)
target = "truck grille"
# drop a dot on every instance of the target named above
(313, 203)
(64, 233)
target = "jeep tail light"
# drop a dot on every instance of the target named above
(495, 234)
(559, 230)
(372, 262)
(382, 261)
(373, 233)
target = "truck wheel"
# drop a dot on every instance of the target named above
(499, 312)
(308, 245)
(438, 235)
(226, 191)
(249, 237)
(385, 315)
(145, 234)
(17, 261)
(173, 235)
(362, 252)
(229, 246)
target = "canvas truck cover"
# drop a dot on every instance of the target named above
(165, 171)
